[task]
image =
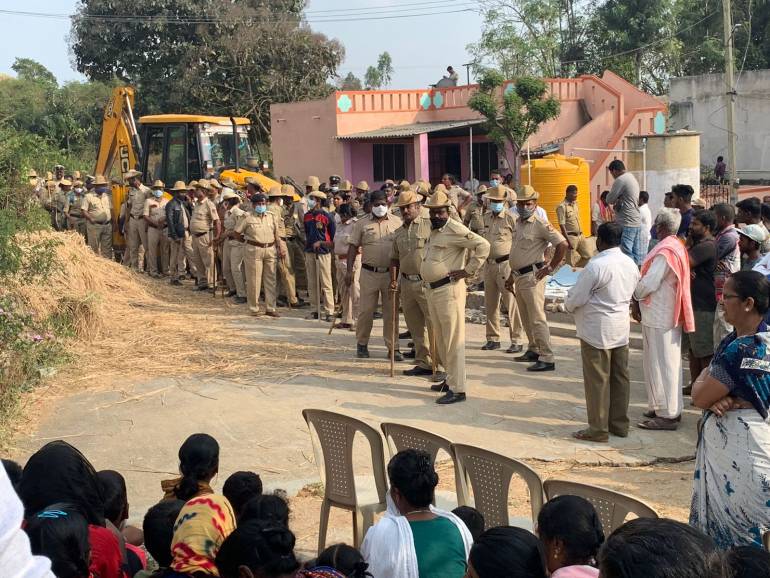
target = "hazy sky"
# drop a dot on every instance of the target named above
(421, 46)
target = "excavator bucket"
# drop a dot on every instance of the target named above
(241, 175)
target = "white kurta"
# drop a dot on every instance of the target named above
(662, 339)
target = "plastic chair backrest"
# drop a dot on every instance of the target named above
(335, 435)
(612, 507)
(400, 437)
(490, 478)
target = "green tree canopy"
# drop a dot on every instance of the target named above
(351, 82)
(379, 76)
(28, 69)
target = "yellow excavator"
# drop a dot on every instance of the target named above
(170, 147)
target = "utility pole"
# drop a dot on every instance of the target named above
(732, 138)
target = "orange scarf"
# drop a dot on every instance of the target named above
(676, 257)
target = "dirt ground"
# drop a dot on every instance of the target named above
(182, 362)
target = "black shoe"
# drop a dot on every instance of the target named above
(396, 356)
(529, 356)
(240, 300)
(411, 354)
(450, 397)
(490, 345)
(362, 351)
(377, 315)
(201, 288)
(231, 293)
(441, 387)
(514, 349)
(313, 315)
(405, 335)
(175, 282)
(438, 377)
(301, 304)
(542, 366)
(417, 370)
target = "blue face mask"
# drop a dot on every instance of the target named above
(496, 207)
(260, 209)
(157, 194)
(311, 203)
(493, 182)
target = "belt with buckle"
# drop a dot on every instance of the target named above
(260, 245)
(530, 268)
(502, 259)
(440, 283)
(574, 234)
(411, 277)
(200, 234)
(375, 269)
(102, 222)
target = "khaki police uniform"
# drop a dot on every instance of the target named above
(498, 231)
(450, 248)
(568, 217)
(157, 235)
(60, 201)
(285, 275)
(349, 296)
(73, 210)
(99, 229)
(408, 249)
(137, 227)
(236, 250)
(530, 240)
(204, 214)
(473, 217)
(375, 238)
(260, 233)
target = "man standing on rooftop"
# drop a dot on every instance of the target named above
(624, 196)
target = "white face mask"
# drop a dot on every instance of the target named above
(280, 202)
(311, 203)
(380, 210)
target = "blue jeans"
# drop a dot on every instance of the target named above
(631, 243)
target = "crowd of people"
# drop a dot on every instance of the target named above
(60, 517)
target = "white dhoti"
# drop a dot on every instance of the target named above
(662, 361)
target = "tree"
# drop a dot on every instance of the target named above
(33, 71)
(379, 76)
(512, 116)
(351, 82)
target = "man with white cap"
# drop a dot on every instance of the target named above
(137, 227)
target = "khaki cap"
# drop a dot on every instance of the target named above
(481, 189)
(77, 183)
(287, 190)
(250, 181)
(404, 185)
(228, 193)
(313, 182)
(31, 173)
(158, 184)
(439, 188)
(318, 195)
(407, 198)
(192, 186)
(215, 184)
(346, 185)
(422, 187)
(179, 186)
(229, 183)
(362, 186)
(275, 191)
(203, 184)
(48, 176)
(438, 200)
(100, 180)
(65, 183)
(131, 174)
(498, 193)
(76, 175)
(527, 193)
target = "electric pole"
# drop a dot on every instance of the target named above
(732, 138)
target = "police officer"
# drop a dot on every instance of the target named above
(373, 234)
(154, 214)
(569, 223)
(178, 225)
(204, 218)
(137, 227)
(473, 217)
(453, 253)
(73, 209)
(295, 244)
(499, 226)
(233, 251)
(275, 200)
(96, 209)
(528, 274)
(59, 202)
(349, 295)
(408, 248)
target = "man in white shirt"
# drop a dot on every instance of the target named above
(600, 300)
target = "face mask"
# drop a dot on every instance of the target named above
(101, 191)
(380, 210)
(437, 222)
(280, 202)
(157, 194)
(525, 213)
(311, 203)
(78, 191)
(496, 207)
(493, 182)
(334, 189)
(260, 209)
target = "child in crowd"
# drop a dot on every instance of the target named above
(158, 527)
(263, 549)
(60, 533)
(240, 488)
(472, 518)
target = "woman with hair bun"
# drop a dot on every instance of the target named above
(414, 539)
(198, 464)
(258, 550)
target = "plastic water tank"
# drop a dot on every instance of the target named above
(550, 177)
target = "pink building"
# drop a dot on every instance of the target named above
(411, 134)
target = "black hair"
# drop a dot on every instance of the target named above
(115, 495)
(755, 285)
(267, 507)
(644, 197)
(658, 548)
(262, 547)
(232, 201)
(725, 211)
(345, 559)
(198, 461)
(508, 551)
(158, 528)
(752, 206)
(60, 533)
(14, 471)
(604, 194)
(573, 521)
(451, 178)
(345, 210)
(572, 188)
(472, 518)
(610, 234)
(258, 197)
(684, 192)
(412, 473)
(616, 165)
(720, 158)
(377, 196)
(765, 211)
(707, 218)
(241, 487)
(747, 562)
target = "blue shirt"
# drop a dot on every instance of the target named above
(319, 226)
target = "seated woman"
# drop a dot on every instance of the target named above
(413, 539)
(340, 557)
(60, 533)
(266, 508)
(506, 551)
(571, 533)
(258, 550)
(730, 489)
(198, 464)
(58, 472)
